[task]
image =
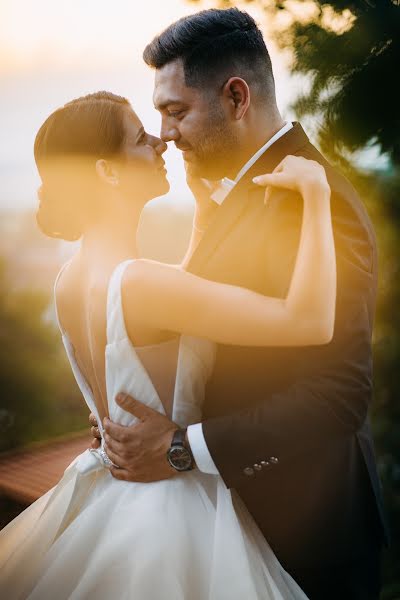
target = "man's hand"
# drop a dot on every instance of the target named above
(140, 450)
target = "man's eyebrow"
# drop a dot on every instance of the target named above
(162, 105)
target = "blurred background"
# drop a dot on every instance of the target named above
(336, 65)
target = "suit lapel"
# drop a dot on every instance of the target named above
(235, 203)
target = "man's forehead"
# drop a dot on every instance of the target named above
(169, 84)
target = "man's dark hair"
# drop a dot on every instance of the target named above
(215, 45)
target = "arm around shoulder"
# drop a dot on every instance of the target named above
(169, 298)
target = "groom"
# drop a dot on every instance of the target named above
(287, 428)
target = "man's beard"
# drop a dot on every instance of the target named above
(212, 155)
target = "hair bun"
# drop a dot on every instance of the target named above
(56, 216)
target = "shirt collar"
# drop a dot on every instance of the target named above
(226, 185)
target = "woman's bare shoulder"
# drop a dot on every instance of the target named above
(148, 271)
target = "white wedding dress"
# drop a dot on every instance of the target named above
(93, 537)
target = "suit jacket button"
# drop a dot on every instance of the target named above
(248, 471)
(257, 467)
(274, 460)
(265, 463)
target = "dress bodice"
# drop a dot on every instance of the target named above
(126, 372)
(160, 362)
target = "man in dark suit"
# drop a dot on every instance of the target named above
(287, 428)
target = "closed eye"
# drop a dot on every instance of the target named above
(176, 114)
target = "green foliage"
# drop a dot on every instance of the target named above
(352, 75)
(40, 398)
(352, 70)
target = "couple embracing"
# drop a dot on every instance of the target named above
(230, 392)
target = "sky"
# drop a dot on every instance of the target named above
(52, 51)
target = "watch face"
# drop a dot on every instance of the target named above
(180, 458)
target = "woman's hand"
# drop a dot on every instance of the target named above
(204, 212)
(94, 431)
(295, 173)
(205, 206)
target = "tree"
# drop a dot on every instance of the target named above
(350, 53)
(40, 398)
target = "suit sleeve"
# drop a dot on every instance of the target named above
(331, 395)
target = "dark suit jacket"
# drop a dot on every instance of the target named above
(302, 411)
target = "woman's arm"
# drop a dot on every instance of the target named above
(170, 299)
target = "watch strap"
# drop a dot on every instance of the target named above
(178, 439)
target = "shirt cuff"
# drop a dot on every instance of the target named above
(200, 450)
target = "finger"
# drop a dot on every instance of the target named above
(117, 460)
(267, 195)
(263, 180)
(114, 446)
(281, 179)
(115, 431)
(95, 432)
(121, 474)
(95, 444)
(279, 168)
(92, 420)
(136, 408)
(286, 163)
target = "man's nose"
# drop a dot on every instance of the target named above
(169, 132)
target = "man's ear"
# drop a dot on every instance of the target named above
(237, 93)
(107, 172)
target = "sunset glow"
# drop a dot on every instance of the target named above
(52, 51)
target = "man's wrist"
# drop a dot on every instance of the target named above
(179, 454)
(187, 444)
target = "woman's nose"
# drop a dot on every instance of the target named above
(160, 147)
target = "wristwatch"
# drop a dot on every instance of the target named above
(179, 455)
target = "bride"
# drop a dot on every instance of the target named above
(149, 329)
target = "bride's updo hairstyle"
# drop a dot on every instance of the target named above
(67, 146)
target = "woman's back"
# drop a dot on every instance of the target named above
(106, 360)
(81, 296)
(81, 303)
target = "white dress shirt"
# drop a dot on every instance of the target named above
(195, 434)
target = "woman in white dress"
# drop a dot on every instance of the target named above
(150, 329)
